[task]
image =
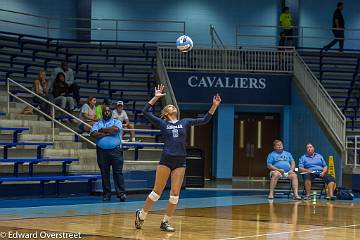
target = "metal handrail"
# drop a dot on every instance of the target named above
(337, 124)
(215, 38)
(9, 80)
(300, 29)
(47, 26)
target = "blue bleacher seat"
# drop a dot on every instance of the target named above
(16, 130)
(32, 161)
(57, 179)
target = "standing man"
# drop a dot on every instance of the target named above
(120, 114)
(69, 79)
(107, 132)
(287, 28)
(338, 25)
(281, 164)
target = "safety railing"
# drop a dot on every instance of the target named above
(303, 36)
(330, 113)
(54, 121)
(163, 78)
(53, 107)
(50, 26)
(352, 151)
(276, 60)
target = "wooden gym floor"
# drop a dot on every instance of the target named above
(215, 216)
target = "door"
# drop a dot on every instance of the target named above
(253, 137)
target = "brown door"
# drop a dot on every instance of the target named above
(202, 139)
(253, 137)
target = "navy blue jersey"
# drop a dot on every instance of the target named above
(174, 133)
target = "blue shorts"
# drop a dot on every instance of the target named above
(173, 162)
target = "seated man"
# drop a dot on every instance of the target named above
(281, 164)
(312, 165)
(120, 114)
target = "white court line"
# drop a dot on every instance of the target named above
(282, 233)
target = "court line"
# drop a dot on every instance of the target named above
(299, 231)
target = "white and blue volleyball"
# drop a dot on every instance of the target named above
(184, 43)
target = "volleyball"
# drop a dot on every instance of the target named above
(184, 43)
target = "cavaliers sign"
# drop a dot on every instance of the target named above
(264, 89)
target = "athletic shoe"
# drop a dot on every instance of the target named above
(165, 226)
(333, 198)
(138, 221)
(297, 198)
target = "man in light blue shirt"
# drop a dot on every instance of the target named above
(312, 165)
(281, 164)
(108, 149)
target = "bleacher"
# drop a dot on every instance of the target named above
(339, 74)
(104, 69)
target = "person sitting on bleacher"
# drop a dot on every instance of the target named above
(120, 114)
(99, 108)
(88, 114)
(61, 93)
(40, 87)
(69, 79)
(312, 165)
(281, 164)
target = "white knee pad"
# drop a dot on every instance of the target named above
(154, 196)
(174, 199)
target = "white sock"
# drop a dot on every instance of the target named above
(143, 214)
(133, 139)
(166, 218)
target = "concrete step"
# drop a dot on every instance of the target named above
(24, 123)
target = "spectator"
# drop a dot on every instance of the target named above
(61, 93)
(281, 164)
(69, 79)
(287, 28)
(107, 132)
(40, 87)
(338, 25)
(88, 114)
(312, 165)
(120, 114)
(99, 108)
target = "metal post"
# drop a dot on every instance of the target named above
(8, 92)
(355, 154)
(53, 124)
(48, 28)
(116, 30)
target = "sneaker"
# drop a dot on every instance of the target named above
(297, 198)
(333, 198)
(138, 221)
(165, 226)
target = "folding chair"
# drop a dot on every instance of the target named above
(283, 187)
(318, 184)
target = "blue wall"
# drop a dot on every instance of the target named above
(319, 14)
(198, 14)
(56, 9)
(305, 128)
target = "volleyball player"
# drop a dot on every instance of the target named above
(172, 160)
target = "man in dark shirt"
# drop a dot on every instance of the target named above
(338, 28)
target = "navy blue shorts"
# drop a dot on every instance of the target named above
(173, 162)
(327, 177)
